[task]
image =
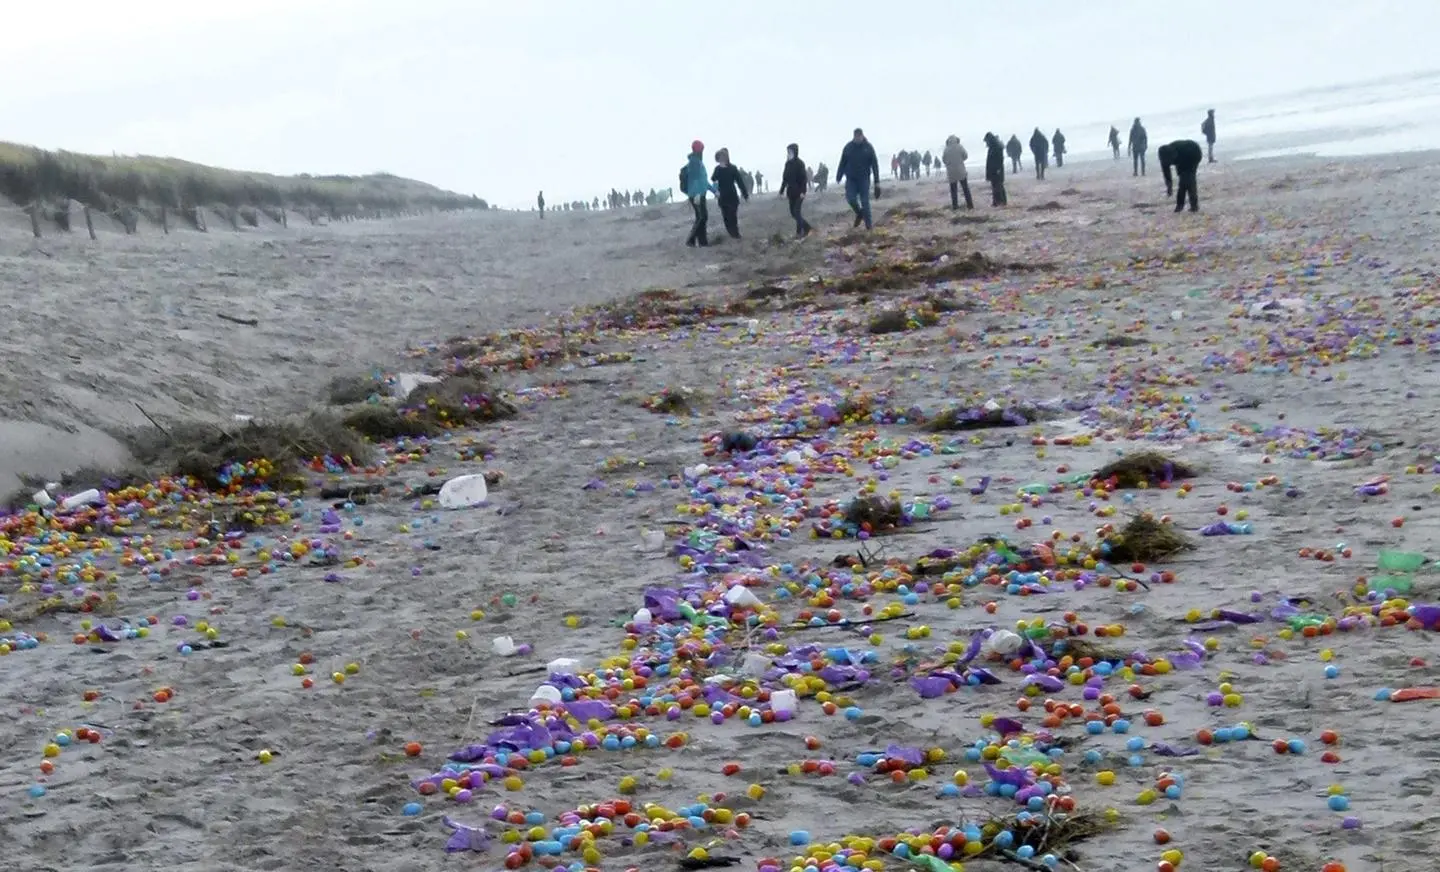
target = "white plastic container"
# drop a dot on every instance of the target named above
(91, 497)
(1003, 642)
(740, 597)
(463, 492)
(545, 693)
(784, 701)
(564, 666)
(756, 665)
(504, 646)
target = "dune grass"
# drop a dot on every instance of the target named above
(116, 184)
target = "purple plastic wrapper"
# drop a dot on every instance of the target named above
(930, 686)
(913, 756)
(465, 838)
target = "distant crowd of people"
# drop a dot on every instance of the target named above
(859, 170)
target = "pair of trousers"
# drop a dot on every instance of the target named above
(1188, 186)
(1041, 162)
(1014, 164)
(857, 194)
(730, 214)
(698, 235)
(1139, 162)
(955, 189)
(802, 227)
(997, 192)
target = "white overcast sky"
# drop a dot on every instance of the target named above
(501, 97)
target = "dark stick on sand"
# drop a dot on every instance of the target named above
(248, 322)
(151, 419)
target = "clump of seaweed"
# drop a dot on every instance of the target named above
(1146, 539)
(900, 320)
(383, 422)
(1142, 469)
(460, 401)
(1121, 340)
(348, 390)
(275, 452)
(874, 513)
(959, 418)
(670, 401)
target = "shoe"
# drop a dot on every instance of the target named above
(858, 219)
(690, 243)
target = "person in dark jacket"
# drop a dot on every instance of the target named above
(1114, 141)
(1207, 127)
(1057, 145)
(1014, 149)
(1139, 143)
(857, 164)
(1185, 156)
(794, 185)
(995, 169)
(540, 204)
(730, 186)
(1040, 151)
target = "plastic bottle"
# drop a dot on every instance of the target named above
(89, 497)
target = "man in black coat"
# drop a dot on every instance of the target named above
(995, 169)
(1185, 156)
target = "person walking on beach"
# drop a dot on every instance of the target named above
(895, 166)
(1014, 149)
(540, 203)
(1207, 127)
(696, 186)
(857, 164)
(1114, 141)
(1040, 151)
(995, 169)
(731, 187)
(954, 158)
(1139, 142)
(794, 184)
(1057, 145)
(1185, 156)
(759, 181)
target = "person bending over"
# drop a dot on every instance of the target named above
(1185, 156)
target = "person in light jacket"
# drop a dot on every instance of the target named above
(954, 158)
(697, 187)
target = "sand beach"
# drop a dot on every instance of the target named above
(273, 680)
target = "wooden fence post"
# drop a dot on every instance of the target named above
(35, 219)
(89, 224)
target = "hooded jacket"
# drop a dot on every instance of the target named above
(1139, 139)
(954, 158)
(1039, 145)
(1058, 141)
(1013, 147)
(794, 181)
(994, 158)
(697, 181)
